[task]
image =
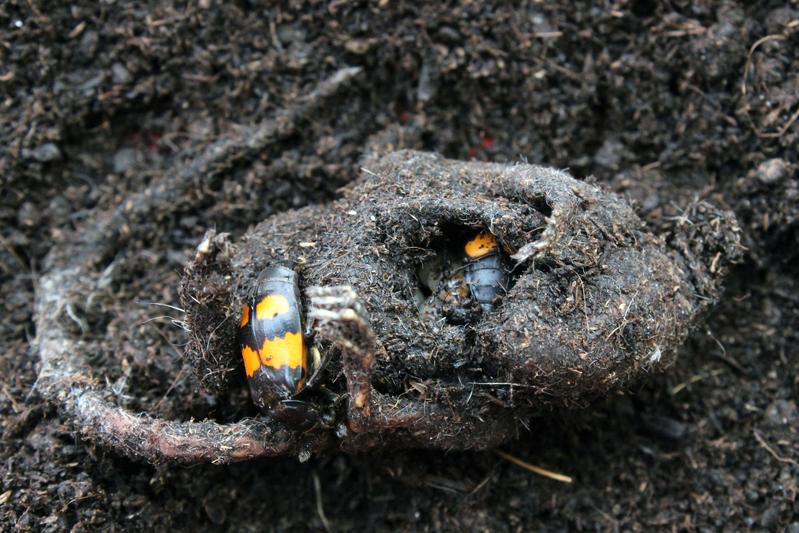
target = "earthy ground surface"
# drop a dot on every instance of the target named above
(666, 103)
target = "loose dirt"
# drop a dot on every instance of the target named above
(669, 105)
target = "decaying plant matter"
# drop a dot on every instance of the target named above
(596, 300)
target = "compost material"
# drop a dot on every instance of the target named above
(595, 301)
(128, 133)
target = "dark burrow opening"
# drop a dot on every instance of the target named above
(467, 273)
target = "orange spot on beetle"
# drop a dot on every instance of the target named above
(251, 360)
(245, 315)
(288, 350)
(272, 305)
(483, 244)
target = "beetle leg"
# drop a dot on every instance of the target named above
(340, 318)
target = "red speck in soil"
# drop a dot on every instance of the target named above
(153, 141)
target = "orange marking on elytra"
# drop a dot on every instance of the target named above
(251, 360)
(288, 350)
(272, 305)
(484, 243)
(301, 382)
(245, 315)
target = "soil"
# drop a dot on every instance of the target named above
(226, 110)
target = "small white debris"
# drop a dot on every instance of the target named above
(654, 357)
(205, 246)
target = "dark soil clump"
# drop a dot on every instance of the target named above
(597, 300)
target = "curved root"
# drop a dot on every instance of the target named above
(65, 377)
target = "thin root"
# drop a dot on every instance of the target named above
(65, 378)
(533, 468)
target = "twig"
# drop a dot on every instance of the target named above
(782, 130)
(770, 450)
(533, 468)
(10, 249)
(747, 67)
(694, 379)
(724, 356)
(320, 509)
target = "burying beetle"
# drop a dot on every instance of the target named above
(487, 273)
(273, 346)
(468, 275)
(279, 361)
